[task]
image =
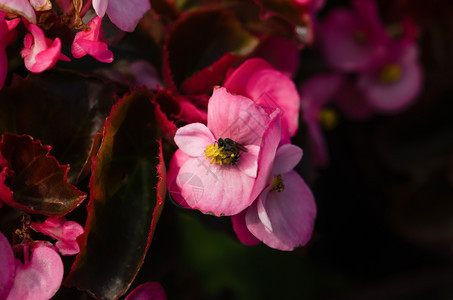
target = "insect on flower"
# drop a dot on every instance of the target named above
(231, 147)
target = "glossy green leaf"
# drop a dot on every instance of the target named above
(124, 204)
(62, 109)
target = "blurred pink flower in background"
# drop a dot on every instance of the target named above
(352, 40)
(394, 83)
(283, 215)
(315, 94)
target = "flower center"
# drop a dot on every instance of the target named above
(224, 151)
(277, 184)
(328, 118)
(390, 73)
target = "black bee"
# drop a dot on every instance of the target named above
(231, 146)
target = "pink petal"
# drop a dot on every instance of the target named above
(236, 117)
(21, 7)
(271, 89)
(100, 6)
(126, 14)
(192, 139)
(191, 113)
(287, 157)
(39, 53)
(214, 189)
(7, 267)
(66, 232)
(270, 141)
(248, 163)
(40, 278)
(176, 162)
(97, 50)
(148, 291)
(90, 42)
(235, 83)
(291, 214)
(241, 230)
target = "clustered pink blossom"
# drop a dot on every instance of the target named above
(231, 166)
(372, 71)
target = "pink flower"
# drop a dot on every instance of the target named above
(6, 36)
(315, 93)
(39, 52)
(20, 7)
(395, 82)
(259, 81)
(353, 39)
(283, 215)
(124, 14)
(217, 169)
(66, 232)
(39, 278)
(148, 291)
(7, 267)
(92, 42)
(351, 102)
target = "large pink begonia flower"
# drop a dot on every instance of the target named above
(315, 93)
(38, 279)
(352, 40)
(92, 42)
(217, 165)
(66, 232)
(6, 37)
(259, 81)
(393, 84)
(39, 52)
(283, 215)
(124, 14)
(148, 291)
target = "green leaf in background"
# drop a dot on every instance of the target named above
(63, 109)
(34, 181)
(124, 203)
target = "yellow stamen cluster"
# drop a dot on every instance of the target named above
(277, 184)
(390, 73)
(328, 118)
(218, 155)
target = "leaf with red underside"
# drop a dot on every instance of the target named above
(61, 108)
(124, 203)
(204, 80)
(34, 181)
(201, 38)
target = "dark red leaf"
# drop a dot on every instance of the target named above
(34, 181)
(201, 38)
